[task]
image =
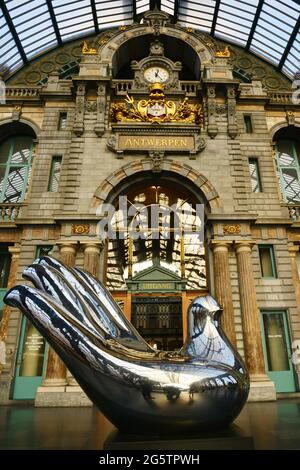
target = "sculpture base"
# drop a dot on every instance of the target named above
(232, 438)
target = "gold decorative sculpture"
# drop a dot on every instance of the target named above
(225, 53)
(156, 109)
(88, 50)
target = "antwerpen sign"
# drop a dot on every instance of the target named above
(156, 142)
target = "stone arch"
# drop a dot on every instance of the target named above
(278, 126)
(18, 123)
(193, 176)
(204, 49)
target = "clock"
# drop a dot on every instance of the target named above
(156, 74)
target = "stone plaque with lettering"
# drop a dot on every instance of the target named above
(156, 142)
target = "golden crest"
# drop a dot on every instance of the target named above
(156, 109)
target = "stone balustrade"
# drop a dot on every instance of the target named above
(294, 211)
(281, 98)
(9, 212)
(20, 92)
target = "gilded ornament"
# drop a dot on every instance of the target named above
(86, 50)
(231, 229)
(156, 109)
(225, 53)
(82, 229)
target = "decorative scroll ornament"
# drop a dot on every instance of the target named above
(225, 53)
(156, 109)
(86, 50)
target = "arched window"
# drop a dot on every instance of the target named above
(15, 165)
(287, 146)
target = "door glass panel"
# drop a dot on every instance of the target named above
(33, 353)
(276, 342)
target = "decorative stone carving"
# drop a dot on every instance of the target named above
(231, 229)
(212, 127)
(231, 113)
(200, 144)
(101, 107)
(290, 117)
(78, 127)
(80, 229)
(90, 106)
(16, 114)
(156, 159)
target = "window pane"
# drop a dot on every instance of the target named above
(62, 121)
(16, 181)
(4, 151)
(21, 150)
(277, 353)
(55, 174)
(266, 261)
(5, 259)
(254, 175)
(286, 156)
(291, 185)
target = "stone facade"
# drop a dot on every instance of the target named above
(92, 169)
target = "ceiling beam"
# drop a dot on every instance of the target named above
(289, 44)
(14, 33)
(54, 22)
(95, 18)
(255, 21)
(176, 8)
(214, 21)
(134, 14)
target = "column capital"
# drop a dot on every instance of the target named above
(220, 245)
(244, 246)
(92, 246)
(293, 250)
(67, 246)
(14, 251)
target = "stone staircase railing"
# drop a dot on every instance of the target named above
(294, 211)
(20, 92)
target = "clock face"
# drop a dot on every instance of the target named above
(156, 74)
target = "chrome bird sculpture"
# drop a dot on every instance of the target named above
(201, 387)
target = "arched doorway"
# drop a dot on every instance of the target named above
(156, 259)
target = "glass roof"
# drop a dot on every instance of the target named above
(267, 28)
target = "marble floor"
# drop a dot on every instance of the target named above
(274, 425)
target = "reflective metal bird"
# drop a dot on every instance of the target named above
(201, 387)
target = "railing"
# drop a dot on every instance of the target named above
(18, 92)
(294, 212)
(188, 87)
(122, 87)
(9, 212)
(282, 98)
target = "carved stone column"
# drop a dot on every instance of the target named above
(212, 127)
(78, 127)
(261, 387)
(15, 254)
(231, 113)
(101, 108)
(92, 257)
(293, 250)
(223, 290)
